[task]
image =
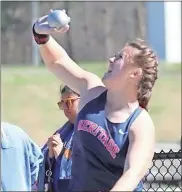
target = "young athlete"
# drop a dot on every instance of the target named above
(113, 142)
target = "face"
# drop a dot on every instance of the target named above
(120, 71)
(69, 104)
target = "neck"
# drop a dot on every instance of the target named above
(120, 104)
(121, 99)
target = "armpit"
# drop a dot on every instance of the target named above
(90, 95)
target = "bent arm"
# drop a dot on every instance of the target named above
(139, 156)
(59, 63)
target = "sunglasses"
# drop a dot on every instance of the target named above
(66, 103)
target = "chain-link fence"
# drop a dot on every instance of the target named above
(165, 173)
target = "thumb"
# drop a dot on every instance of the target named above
(51, 10)
(52, 30)
(57, 134)
(62, 30)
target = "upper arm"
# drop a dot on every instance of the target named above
(141, 145)
(75, 77)
(58, 62)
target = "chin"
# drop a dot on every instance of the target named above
(106, 76)
(106, 81)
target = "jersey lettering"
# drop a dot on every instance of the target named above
(101, 135)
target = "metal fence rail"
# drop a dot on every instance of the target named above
(165, 173)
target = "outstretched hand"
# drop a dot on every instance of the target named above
(42, 27)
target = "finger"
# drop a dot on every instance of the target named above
(57, 140)
(49, 145)
(51, 10)
(56, 137)
(63, 30)
(57, 134)
(55, 31)
(69, 18)
(50, 137)
(44, 28)
(43, 19)
(55, 143)
(49, 141)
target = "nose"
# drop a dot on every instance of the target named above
(65, 107)
(111, 59)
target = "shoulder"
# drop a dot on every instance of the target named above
(14, 134)
(12, 130)
(143, 125)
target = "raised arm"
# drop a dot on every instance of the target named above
(58, 61)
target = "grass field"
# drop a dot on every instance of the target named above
(29, 97)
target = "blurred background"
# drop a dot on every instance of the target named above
(98, 29)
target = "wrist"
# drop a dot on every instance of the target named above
(57, 154)
(51, 154)
(40, 39)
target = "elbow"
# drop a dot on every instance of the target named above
(50, 66)
(139, 174)
(136, 175)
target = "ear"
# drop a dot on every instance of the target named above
(136, 73)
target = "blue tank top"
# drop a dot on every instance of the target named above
(99, 148)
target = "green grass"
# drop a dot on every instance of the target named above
(30, 94)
